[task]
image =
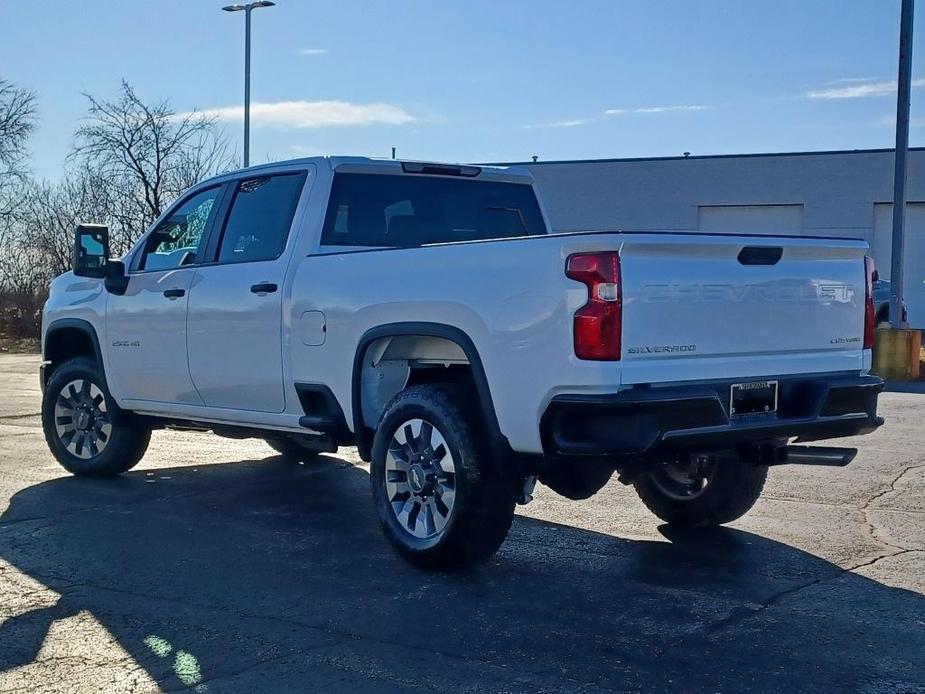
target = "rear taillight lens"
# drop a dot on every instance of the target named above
(598, 324)
(869, 312)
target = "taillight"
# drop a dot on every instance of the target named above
(869, 312)
(598, 324)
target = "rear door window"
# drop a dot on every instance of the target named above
(260, 217)
(377, 210)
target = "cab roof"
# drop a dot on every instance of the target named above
(511, 174)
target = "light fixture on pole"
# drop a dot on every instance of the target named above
(247, 67)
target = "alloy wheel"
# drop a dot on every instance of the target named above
(420, 479)
(81, 419)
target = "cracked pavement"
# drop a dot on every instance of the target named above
(219, 567)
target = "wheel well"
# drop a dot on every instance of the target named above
(390, 364)
(66, 342)
(390, 358)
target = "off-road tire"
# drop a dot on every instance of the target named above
(732, 491)
(484, 498)
(128, 438)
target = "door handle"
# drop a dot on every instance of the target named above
(263, 288)
(174, 293)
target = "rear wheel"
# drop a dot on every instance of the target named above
(84, 428)
(702, 490)
(440, 501)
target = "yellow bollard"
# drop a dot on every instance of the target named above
(897, 354)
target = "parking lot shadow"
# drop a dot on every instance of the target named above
(268, 575)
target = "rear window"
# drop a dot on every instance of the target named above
(405, 211)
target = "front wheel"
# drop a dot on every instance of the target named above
(702, 490)
(84, 428)
(440, 501)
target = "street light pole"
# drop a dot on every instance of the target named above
(247, 86)
(247, 68)
(899, 172)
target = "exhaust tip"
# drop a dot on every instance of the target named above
(816, 455)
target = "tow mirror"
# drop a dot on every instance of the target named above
(91, 258)
(91, 250)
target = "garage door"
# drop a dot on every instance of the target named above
(751, 219)
(914, 278)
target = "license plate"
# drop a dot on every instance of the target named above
(754, 398)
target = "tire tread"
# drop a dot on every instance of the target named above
(736, 488)
(484, 519)
(130, 437)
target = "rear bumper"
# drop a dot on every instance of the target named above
(642, 421)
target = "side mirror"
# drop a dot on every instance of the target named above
(91, 250)
(875, 276)
(116, 281)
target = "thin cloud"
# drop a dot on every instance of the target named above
(860, 90)
(655, 109)
(667, 109)
(312, 51)
(574, 123)
(852, 80)
(314, 114)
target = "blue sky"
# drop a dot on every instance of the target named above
(476, 80)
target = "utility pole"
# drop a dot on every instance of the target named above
(899, 173)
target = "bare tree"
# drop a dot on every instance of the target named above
(17, 122)
(49, 214)
(130, 160)
(147, 153)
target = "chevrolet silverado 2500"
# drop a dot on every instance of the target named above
(425, 314)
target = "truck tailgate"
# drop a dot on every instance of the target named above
(715, 306)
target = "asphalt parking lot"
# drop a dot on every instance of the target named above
(217, 565)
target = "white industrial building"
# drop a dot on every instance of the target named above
(844, 193)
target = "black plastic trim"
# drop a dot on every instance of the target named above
(639, 422)
(419, 167)
(760, 255)
(70, 324)
(323, 412)
(499, 442)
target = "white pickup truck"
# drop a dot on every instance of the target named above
(425, 314)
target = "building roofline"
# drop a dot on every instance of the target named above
(755, 155)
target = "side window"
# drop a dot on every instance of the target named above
(403, 211)
(260, 216)
(175, 241)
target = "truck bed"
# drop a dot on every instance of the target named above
(692, 311)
